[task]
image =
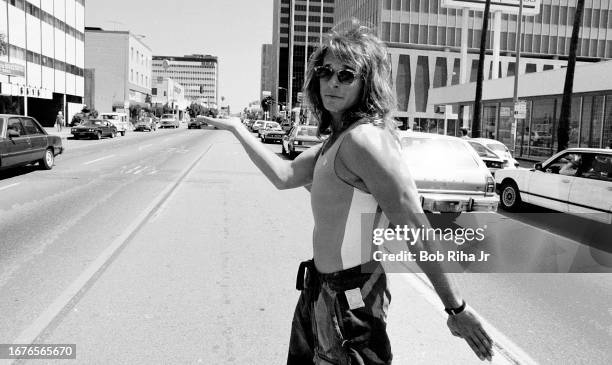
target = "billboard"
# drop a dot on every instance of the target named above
(530, 7)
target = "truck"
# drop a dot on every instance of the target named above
(120, 120)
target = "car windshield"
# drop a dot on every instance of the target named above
(441, 153)
(497, 147)
(307, 131)
(273, 125)
(482, 150)
(110, 116)
(92, 123)
(168, 116)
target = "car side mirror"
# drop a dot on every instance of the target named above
(13, 133)
(538, 166)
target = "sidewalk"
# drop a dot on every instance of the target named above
(64, 134)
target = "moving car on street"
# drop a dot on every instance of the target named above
(145, 124)
(449, 175)
(489, 157)
(574, 181)
(94, 128)
(271, 132)
(197, 122)
(120, 120)
(23, 141)
(168, 121)
(299, 139)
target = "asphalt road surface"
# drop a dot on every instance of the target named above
(171, 245)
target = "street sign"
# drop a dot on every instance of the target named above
(520, 109)
(12, 69)
(530, 7)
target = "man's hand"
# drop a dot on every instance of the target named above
(468, 327)
(227, 124)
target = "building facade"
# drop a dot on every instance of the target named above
(267, 71)
(166, 91)
(121, 64)
(298, 29)
(424, 41)
(199, 75)
(41, 57)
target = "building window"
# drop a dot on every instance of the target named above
(440, 73)
(403, 82)
(421, 84)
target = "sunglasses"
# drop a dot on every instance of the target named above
(345, 76)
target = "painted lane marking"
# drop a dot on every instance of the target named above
(9, 186)
(99, 159)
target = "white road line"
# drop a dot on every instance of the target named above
(99, 159)
(98, 266)
(132, 169)
(9, 186)
(506, 351)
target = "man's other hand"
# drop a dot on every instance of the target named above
(467, 326)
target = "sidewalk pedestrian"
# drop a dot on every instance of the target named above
(59, 121)
(341, 313)
(464, 133)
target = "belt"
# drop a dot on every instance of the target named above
(309, 277)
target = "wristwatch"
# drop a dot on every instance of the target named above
(455, 311)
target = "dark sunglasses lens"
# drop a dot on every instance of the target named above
(346, 76)
(323, 72)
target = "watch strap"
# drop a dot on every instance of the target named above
(455, 311)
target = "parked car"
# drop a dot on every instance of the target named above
(271, 132)
(23, 141)
(197, 122)
(94, 128)
(489, 157)
(120, 120)
(256, 125)
(299, 139)
(145, 124)
(449, 175)
(500, 150)
(168, 121)
(574, 181)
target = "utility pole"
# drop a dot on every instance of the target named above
(483, 44)
(516, 71)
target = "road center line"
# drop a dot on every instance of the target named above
(9, 186)
(72, 294)
(99, 159)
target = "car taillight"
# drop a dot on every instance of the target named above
(490, 187)
(297, 142)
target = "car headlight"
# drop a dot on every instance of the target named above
(297, 142)
(92, 130)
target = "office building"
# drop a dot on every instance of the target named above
(267, 71)
(41, 57)
(121, 64)
(299, 27)
(198, 74)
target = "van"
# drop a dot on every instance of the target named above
(120, 120)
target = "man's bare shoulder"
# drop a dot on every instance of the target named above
(369, 139)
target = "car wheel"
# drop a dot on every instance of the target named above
(47, 161)
(510, 197)
(113, 134)
(99, 135)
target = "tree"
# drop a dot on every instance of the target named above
(566, 103)
(481, 59)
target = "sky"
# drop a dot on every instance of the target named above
(232, 30)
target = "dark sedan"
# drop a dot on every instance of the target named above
(23, 141)
(94, 128)
(197, 122)
(145, 124)
(299, 139)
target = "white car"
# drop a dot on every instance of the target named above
(575, 181)
(168, 121)
(499, 149)
(120, 120)
(449, 174)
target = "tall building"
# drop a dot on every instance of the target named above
(267, 70)
(121, 64)
(198, 74)
(41, 57)
(299, 27)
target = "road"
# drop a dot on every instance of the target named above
(204, 252)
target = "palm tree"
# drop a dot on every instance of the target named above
(483, 45)
(566, 103)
